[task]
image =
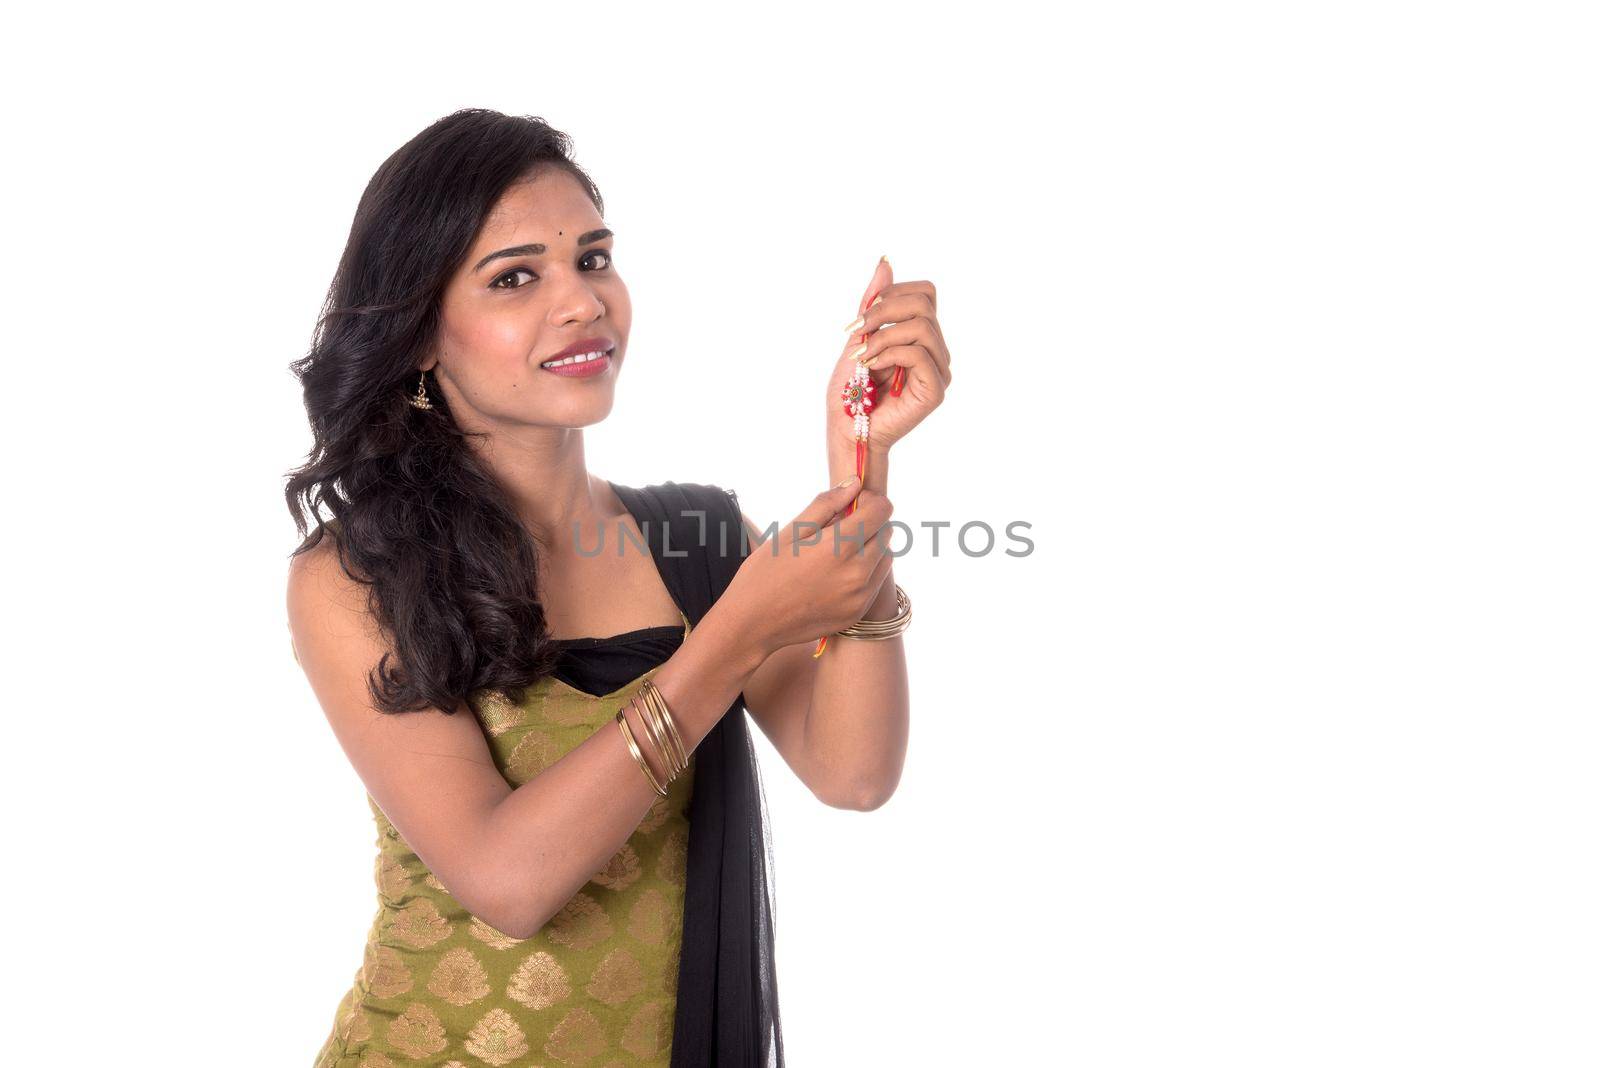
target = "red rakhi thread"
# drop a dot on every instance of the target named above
(857, 397)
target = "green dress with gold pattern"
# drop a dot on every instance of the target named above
(595, 986)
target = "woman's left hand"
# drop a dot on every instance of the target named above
(900, 330)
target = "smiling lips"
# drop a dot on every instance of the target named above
(595, 359)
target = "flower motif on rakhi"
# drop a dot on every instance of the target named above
(857, 396)
(859, 392)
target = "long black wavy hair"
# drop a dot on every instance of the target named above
(451, 570)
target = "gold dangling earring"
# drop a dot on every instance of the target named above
(420, 399)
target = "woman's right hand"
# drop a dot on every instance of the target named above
(817, 575)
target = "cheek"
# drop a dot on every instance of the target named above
(618, 305)
(502, 335)
(491, 346)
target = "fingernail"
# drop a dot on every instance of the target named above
(868, 363)
(884, 259)
(856, 324)
(859, 352)
(877, 301)
(843, 482)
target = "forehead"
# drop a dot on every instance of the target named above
(533, 209)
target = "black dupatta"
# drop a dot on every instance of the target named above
(727, 1003)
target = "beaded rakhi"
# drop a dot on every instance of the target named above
(858, 396)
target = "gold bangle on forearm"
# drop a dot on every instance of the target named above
(666, 727)
(633, 747)
(658, 734)
(654, 695)
(877, 630)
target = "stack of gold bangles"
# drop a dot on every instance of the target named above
(662, 734)
(877, 630)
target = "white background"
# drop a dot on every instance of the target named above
(1277, 323)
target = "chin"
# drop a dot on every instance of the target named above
(582, 415)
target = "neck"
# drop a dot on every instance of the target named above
(544, 472)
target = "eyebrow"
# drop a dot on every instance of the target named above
(537, 249)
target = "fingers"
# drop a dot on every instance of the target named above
(915, 332)
(878, 544)
(907, 318)
(872, 512)
(882, 278)
(875, 554)
(873, 507)
(918, 361)
(921, 290)
(829, 503)
(899, 306)
(896, 305)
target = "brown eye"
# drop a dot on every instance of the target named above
(500, 283)
(601, 252)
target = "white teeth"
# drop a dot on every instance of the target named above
(583, 357)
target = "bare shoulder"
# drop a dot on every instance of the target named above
(430, 771)
(336, 639)
(319, 587)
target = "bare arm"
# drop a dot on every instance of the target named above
(511, 856)
(841, 721)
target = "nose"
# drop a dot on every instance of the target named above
(578, 304)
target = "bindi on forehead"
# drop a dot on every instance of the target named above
(539, 249)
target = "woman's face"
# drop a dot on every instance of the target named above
(538, 278)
